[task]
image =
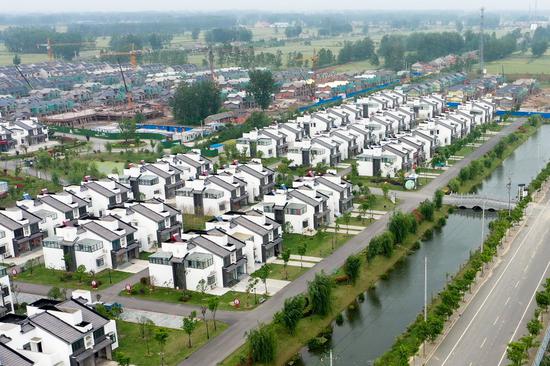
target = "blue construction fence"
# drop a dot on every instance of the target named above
(523, 114)
(164, 128)
(339, 98)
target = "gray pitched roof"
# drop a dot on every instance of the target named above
(189, 161)
(153, 169)
(220, 182)
(209, 245)
(9, 223)
(331, 184)
(56, 327)
(105, 233)
(303, 197)
(249, 170)
(147, 212)
(88, 315)
(104, 191)
(250, 225)
(10, 357)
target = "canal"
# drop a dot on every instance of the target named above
(370, 329)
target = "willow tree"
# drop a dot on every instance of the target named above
(320, 294)
(262, 343)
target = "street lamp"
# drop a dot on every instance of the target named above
(509, 188)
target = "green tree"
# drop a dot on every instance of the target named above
(189, 325)
(262, 344)
(122, 359)
(517, 353)
(438, 199)
(263, 274)
(213, 304)
(302, 249)
(261, 86)
(55, 293)
(80, 272)
(320, 294)
(427, 210)
(204, 308)
(192, 103)
(292, 312)
(127, 127)
(534, 327)
(195, 33)
(352, 267)
(161, 336)
(347, 218)
(146, 328)
(109, 147)
(16, 60)
(385, 191)
(285, 256)
(539, 48)
(543, 300)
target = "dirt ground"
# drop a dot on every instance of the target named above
(539, 101)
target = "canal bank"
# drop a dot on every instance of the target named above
(369, 334)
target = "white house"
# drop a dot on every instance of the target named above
(57, 333)
(154, 220)
(331, 186)
(252, 227)
(101, 194)
(97, 244)
(19, 232)
(192, 162)
(259, 179)
(213, 258)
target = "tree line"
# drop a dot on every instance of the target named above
(399, 51)
(227, 35)
(34, 40)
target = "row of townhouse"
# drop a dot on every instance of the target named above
(233, 245)
(313, 202)
(20, 134)
(408, 150)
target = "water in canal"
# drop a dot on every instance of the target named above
(370, 330)
(520, 168)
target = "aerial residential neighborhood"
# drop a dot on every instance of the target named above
(274, 184)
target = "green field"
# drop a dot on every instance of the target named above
(521, 64)
(175, 350)
(106, 167)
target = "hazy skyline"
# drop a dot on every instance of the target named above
(280, 5)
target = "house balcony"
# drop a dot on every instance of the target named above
(238, 202)
(234, 272)
(267, 188)
(346, 204)
(165, 234)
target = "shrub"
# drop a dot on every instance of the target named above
(428, 234)
(339, 319)
(145, 281)
(341, 279)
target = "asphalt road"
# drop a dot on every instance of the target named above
(500, 310)
(222, 346)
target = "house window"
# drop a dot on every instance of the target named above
(99, 333)
(211, 280)
(268, 209)
(305, 224)
(26, 230)
(222, 207)
(27, 346)
(2, 234)
(100, 262)
(78, 345)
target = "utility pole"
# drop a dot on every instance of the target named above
(481, 31)
(330, 355)
(483, 224)
(509, 188)
(425, 288)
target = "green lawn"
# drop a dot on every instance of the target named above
(317, 245)
(278, 272)
(107, 167)
(195, 222)
(22, 183)
(355, 221)
(520, 64)
(132, 345)
(51, 277)
(171, 295)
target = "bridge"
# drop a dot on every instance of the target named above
(478, 202)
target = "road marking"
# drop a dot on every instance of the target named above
(525, 312)
(511, 260)
(517, 284)
(496, 320)
(483, 343)
(507, 300)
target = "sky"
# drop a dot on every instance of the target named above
(275, 5)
